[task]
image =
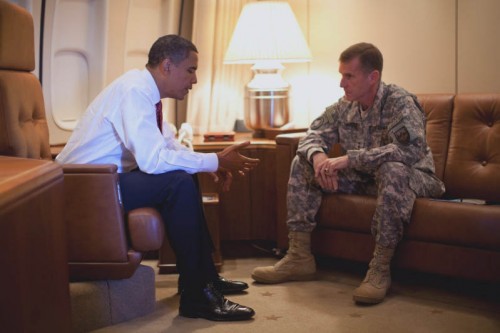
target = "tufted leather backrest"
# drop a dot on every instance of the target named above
(473, 164)
(23, 125)
(438, 110)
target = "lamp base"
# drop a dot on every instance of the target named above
(266, 108)
(266, 97)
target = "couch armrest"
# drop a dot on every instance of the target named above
(146, 229)
(98, 248)
(290, 138)
(98, 245)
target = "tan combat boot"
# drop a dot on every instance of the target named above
(297, 265)
(378, 278)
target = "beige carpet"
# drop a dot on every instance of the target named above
(416, 304)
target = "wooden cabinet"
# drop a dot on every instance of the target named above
(248, 210)
(34, 285)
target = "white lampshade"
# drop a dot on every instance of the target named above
(267, 30)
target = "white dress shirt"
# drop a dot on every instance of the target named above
(119, 127)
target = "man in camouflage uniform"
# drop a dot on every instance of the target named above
(381, 129)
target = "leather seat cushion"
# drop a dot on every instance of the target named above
(431, 220)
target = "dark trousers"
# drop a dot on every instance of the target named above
(177, 197)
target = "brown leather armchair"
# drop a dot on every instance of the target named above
(103, 242)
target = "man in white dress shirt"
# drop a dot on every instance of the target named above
(121, 127)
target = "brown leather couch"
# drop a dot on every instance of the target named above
(457, 236)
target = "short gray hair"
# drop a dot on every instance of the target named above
(369, 55)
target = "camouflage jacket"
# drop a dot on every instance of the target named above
(393, 130)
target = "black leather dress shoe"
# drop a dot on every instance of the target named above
(212, 305)
(224, 286)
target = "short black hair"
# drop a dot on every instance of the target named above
(173, 47)
(369, 55)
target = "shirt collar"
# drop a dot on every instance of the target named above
(155, 93)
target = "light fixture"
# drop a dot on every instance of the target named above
(266, 35)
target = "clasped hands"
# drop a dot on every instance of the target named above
(326, 170)
(230, 160)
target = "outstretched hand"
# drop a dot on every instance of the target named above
(231, 160)
(223, 178)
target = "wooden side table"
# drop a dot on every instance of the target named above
(248, 211)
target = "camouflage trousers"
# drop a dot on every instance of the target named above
(395, 185)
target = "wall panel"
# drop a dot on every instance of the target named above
(478, 46)
(417, 39)
(74, 61)
(88, 44)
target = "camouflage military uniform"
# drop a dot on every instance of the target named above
(388, 158)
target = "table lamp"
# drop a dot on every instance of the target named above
(266, 35)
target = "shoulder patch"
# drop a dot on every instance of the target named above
(402, 135)
(318, 122)
(324, 118)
